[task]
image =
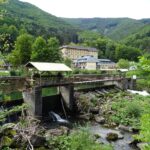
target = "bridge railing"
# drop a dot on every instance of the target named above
(55, 80)
(76, 78)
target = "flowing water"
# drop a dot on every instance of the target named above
(56, 118)
(120, 144)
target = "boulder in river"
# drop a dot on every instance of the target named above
(112, 136)
(125, 128)
(85, 116)
(97, 136)
(94, 110)
(100, 119)
(57, 131)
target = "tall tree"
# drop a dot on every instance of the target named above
(144, 64)
(23, 48)
(123, 63)
(39, 52)
(127, 52)
(53, 49)
(2, 1)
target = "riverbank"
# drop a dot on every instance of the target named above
(113, 117)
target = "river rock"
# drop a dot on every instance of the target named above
(85, 116)
(100, 119)
(94, 110)
(133, 143)
(120, 136)
(135, 130)
(125, 128)
(112, 136)
(57, 132)
(97, 136)
(37, 140)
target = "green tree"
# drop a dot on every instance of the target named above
(23, 48)
(101, 45)
(53, 50)
(123, 63)
(68, 62)
(13, 31)
(144, 64)
(144, 135)
(87, 37)
(46, 52)
(39, 52)
(110, 51)
(126, 52)
(2, 1)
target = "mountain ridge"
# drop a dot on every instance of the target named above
(114, 28)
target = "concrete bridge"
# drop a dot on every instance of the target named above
(32, 89)
(66, 90)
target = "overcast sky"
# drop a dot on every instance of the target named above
(136, 9)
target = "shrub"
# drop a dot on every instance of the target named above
(77, 140)
(76, 71)
(4, 73)
(127, 108)
(133, 110)
(144, 135)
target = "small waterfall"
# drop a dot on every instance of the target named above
(56, 118)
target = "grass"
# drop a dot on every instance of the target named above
(4, 73)
(49, 91)
(129, 108)
(77, 140)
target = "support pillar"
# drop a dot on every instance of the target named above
(67, 94)
(33, 97)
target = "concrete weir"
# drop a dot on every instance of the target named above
(33, 97)
(37, 105)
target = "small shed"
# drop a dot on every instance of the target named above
(45, 66)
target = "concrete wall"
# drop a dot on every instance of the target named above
(33, 97)
(90, 66)
(40, 106)
(67, 95)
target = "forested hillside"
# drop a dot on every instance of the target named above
(141, 39)
(25, 16)
(114, 28)
(22, 22)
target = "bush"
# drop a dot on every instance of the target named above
(77, 140)
(144, 135)
(143, 84)
(15, 72)
(127, 109)
(4, 73)
(85, 71)
(133, 110)
(76, 71)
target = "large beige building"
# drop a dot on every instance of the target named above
(74, 52)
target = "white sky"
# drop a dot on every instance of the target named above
(136, 9)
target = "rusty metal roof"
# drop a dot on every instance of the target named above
(45, 66)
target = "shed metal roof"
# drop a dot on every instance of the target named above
(45, 66)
